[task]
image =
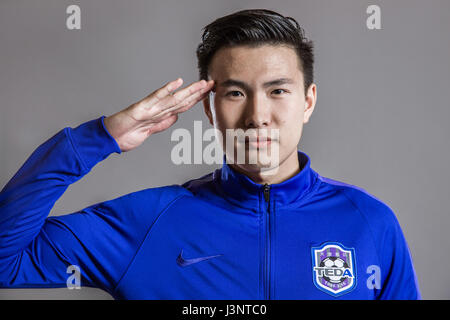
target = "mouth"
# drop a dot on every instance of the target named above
(258, 142)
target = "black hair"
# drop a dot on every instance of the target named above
(255, 27)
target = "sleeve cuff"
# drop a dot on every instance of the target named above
(93, 142)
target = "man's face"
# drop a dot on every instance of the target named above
(260, 88)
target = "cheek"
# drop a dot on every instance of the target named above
(222, 118)
(290, 123)
(226, 115)
(290, 115)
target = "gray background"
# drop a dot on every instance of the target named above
(380, 120)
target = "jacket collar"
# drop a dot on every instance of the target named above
(245, 192)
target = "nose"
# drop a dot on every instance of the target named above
(257, 113)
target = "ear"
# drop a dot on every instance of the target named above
(310, 102)
(206, 107)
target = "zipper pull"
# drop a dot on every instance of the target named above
(266, 192)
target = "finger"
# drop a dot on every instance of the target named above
(182, 94)
(193, 102)
(189, 101)
(180, 99)
(158, 107)
(163, 92)
(194, 99)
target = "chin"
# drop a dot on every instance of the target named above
(258, 170)
(255, 158)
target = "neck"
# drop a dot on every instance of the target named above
(285, 170)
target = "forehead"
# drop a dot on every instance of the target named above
(255, 63)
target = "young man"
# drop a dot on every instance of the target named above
(249, 230)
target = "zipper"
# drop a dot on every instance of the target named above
(266, 191)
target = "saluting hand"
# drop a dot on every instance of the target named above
(156, 112)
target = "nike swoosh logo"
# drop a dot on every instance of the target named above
(182, 262)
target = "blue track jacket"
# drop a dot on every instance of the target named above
(221, 236)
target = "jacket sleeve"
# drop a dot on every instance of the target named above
(399, 280)
(101, 240)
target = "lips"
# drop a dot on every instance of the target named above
(257, 139)
(258, 142)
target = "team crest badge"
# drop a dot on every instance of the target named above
(334, 269)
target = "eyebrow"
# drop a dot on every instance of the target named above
(243, 85)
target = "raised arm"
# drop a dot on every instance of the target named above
(35, 249)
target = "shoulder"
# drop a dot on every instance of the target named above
(158, 198)
(375, 211)
(141, 204)
(200, 185)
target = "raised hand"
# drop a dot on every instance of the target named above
(156, 112)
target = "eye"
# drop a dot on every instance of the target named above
(278, 91)
(234, 93)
